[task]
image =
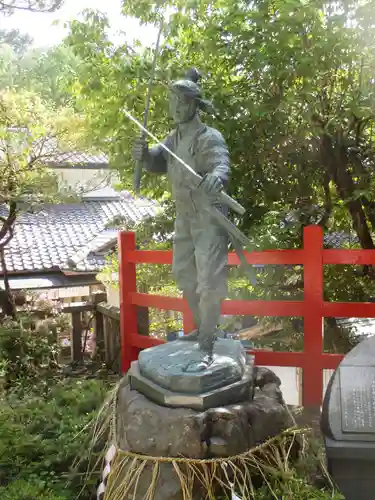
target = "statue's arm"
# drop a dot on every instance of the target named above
(156, 160)
(213, 155)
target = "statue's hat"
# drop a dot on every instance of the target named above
(189, 85)
(190, 88)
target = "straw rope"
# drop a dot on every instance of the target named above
(231, 476)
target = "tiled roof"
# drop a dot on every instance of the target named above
(49, 151)
(72, 237)
(335, 239)
(340, 239)
(77, 159)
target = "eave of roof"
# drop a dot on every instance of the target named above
(40, 281)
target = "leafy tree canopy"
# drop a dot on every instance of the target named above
(32, 134)
(292, 82)
(18, 41)
(293, 85)
(45, 72)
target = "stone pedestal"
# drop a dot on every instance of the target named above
(147, 428)
(175, 374)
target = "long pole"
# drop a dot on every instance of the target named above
(138, 167)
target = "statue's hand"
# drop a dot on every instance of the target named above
(140, 150)
(211, 184)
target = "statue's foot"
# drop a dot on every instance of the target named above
(201, 365)
(190, 337)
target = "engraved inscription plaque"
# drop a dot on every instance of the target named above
(348, 423)
(357, 391)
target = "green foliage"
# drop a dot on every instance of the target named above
(29, 351)
(31, 134)
(296, 488)
(41, 438)
(109, 78)
(293, 87)
(28, 490)
(44, 72)
(18, 41)
(42, 414)
(291, 82)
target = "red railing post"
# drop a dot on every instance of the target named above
(313, 317)
(128, 311)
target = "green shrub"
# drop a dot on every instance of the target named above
(28, 352)
(296, 488)
(28, 490)
(40, 438)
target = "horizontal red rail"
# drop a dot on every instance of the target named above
(284, 308)
(158, 301)
(261, 357)
(349, 309)
(150, 256)
(143, 342)
(263, 307)
(330, 361)
(278, 358)
(353, 257)
(230, 307)
(268, 257)
(294, 359)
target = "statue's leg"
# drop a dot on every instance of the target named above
(211, 253)
(210, 305)
(193, 299)
(185, 270)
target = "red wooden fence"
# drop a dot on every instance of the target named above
(313, 308)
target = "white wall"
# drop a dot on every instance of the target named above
(89, 177)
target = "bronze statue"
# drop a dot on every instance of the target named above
(200, 244)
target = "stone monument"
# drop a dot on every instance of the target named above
(348, 423)
(200, 396)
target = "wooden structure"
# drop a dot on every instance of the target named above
(313, 308)
(105, 321)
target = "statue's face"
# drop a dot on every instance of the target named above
(181, 108)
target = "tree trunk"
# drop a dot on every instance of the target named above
(370, 211)
(7, 303)
(336, 163)
(336, 338)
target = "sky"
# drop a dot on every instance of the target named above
(40, 26)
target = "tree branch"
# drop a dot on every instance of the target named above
(31, 6)
(8, 224)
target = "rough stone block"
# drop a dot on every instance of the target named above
(147, 428)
